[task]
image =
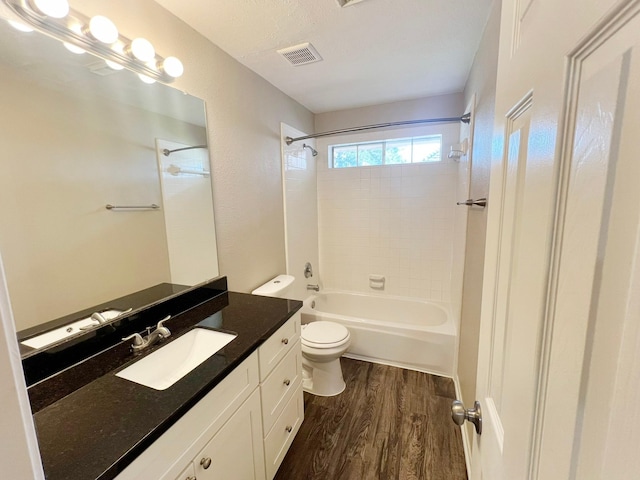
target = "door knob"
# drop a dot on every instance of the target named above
(459, 414)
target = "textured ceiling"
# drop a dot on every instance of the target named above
(375, 51)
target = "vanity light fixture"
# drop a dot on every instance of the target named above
(52, 8)
(172, 66)
(97, 35)
(141, 49)
(102, 29)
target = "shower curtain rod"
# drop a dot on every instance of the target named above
(166, 152)
(466, 118)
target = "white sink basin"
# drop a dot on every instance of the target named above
(168, 364)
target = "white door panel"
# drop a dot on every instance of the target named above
(561, 302)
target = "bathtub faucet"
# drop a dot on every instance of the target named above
(315, 288)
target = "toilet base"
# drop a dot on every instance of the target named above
(322, 378)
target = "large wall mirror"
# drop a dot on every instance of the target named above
(77, 136)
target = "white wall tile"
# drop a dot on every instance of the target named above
(396, 221)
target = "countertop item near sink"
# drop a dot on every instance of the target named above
(96, 431)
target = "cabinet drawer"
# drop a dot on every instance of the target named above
(284, 430)
(278, 345)
(188, 474)
(280, 385)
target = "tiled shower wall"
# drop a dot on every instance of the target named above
(396, 221)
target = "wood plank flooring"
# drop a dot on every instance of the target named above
(388, 424)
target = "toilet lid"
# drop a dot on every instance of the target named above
(323, 332)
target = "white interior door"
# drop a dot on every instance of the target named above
(561, 309)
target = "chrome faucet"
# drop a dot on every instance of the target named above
(315, 288)
(139, 343)
(98, 317)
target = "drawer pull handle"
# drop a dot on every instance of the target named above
(191, 478)
(285, 341)
(289, 428)
(287, 382)
(205, 462)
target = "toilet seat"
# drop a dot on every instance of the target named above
(323, 334)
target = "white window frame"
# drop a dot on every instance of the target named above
(384, 150)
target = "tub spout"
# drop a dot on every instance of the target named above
(315, 288)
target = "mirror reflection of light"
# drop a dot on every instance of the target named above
(73, 49)
(146, 79)
(52, 8)
(20, 26)
(113, 65)
(103, 29)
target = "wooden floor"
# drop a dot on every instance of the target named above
(388, 424)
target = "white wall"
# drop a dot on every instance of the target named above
(301, 210)
(482, 84)
(396, 220)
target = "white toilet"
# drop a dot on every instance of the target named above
(322, 345)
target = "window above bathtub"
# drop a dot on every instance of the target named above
(397, 151)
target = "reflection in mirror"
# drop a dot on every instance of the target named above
(76, 136)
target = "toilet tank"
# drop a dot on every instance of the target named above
(279, 286)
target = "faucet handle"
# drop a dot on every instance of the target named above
(161, 330)
(161, 322)
(137, 339)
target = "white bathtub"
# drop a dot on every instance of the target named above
(408, 333)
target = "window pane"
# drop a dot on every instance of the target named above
(345, 156)
(370, 154)
(398, 151)
(427, 149)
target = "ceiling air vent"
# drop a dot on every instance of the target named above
(300, 54)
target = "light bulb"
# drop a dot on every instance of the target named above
(146, 79)
(103, 29)
(113, 65)
(53, 8)
(20, 26)
(73, 49)
(172, 67)
(142, 50)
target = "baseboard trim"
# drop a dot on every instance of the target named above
(364, 358)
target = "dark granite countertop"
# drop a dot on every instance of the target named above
(99, 429)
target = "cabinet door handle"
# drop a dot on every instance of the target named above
(205, 462)
(289, 428)
(287, 382)
(285, 340)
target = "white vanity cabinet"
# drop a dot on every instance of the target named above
(235, 452)
(280, 360)
(178, 452)
(242, 429)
